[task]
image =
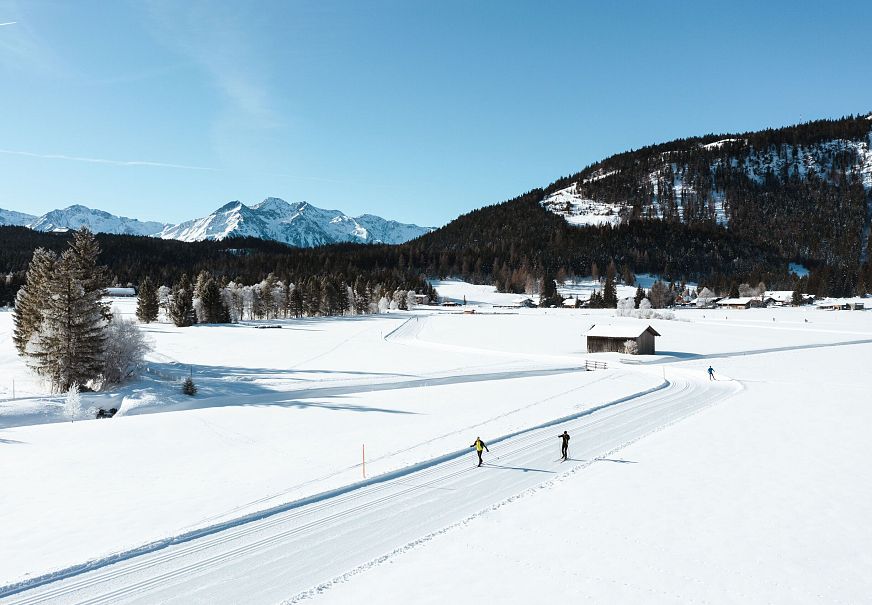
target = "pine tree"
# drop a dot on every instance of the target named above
(549, 296)
(84, 256)
(640, 294)
(147, 304)
(32, 298)
(69, 344)
(610, 293)
(213, 308)
(182, 303)
(267, 298)
(188, 387)
(297, 305)
(734, 290)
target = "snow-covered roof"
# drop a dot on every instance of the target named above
(779, 295)
(742, 300)
(619, 330)
(829, 302)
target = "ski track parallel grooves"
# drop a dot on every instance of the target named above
(603, 430)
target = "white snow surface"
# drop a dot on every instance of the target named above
(578, 210)
(750, 493)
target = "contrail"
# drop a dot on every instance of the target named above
(8, 23)
(72, 158)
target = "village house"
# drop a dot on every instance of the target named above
(607, 338)
(525, 302)
(841, 305)
(744, 302)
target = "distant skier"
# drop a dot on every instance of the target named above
(479, 445)
(711, 373)
(564, 448)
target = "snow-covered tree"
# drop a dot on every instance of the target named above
(32, 297)
(73, 402)
(267, 291)
(126, 347)
(631, 347)
(398, 300)
(383, 305)
(233, 300)
(411, 301)
(163, 296)
(626, 306)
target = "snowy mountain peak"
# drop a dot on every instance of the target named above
(76, 216)
(15, 219)
(295, 223)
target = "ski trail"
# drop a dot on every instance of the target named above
(311, 543)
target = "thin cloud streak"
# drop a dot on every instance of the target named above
(8, 23)
(149, 164)
(72, 158)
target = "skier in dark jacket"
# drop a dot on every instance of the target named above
(711, 373)
(479, 445)
(564, 448)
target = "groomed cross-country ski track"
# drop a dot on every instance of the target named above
(297, 549)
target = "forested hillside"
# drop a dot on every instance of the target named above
(716, 209)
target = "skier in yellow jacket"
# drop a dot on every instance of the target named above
(479, 445)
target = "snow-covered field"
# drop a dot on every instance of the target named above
(756, 495)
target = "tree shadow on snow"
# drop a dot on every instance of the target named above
(159, 389)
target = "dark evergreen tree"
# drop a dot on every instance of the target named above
(213, 308)
(297, 304)
(68, 346)
(32, 298)
(182, 303)
(610, 293)
(640, 294)
(147, 303)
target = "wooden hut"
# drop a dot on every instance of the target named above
(606, 338)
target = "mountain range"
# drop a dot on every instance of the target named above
(297, 224)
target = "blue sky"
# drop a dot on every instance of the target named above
(414, 110)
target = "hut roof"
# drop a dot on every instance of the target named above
(743, 300)
(619, 331)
